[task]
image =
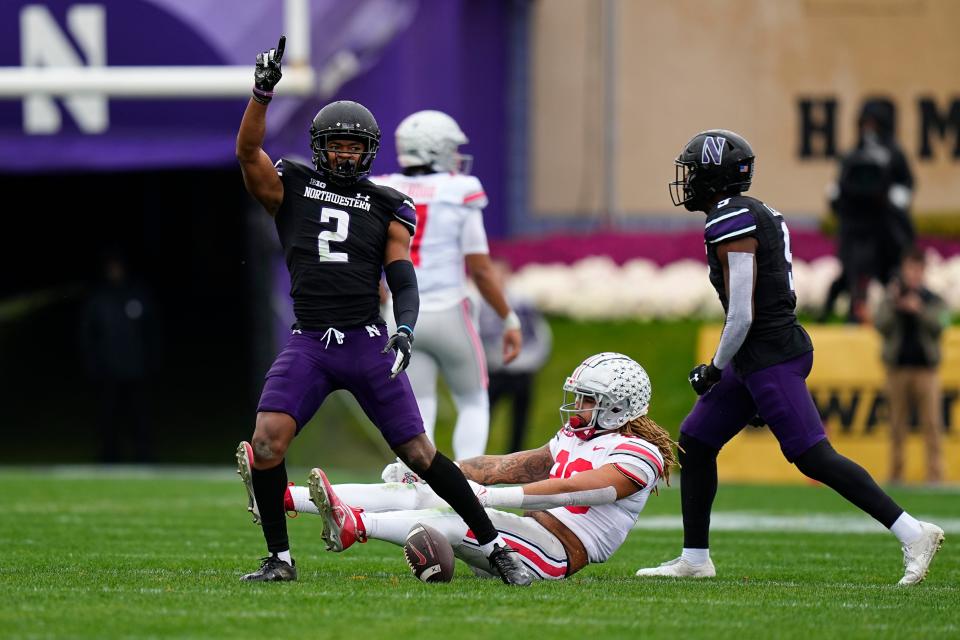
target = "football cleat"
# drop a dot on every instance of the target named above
(273, 569)
(918, 556)
(680, 568)
(245, 469)
(342, 525)
(506, 563)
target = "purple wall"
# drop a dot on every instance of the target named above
(442, 54)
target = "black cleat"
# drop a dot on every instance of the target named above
(273, 569)
(506, 563)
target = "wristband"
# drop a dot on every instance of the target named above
(261, 96)
(512, 321)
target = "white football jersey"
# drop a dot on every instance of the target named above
(602, 529)
(449, 226)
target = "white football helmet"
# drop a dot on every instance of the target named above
(430, 139)
(618, 384)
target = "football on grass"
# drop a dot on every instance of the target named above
(429, 554)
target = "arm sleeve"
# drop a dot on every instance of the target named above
(739, 309)
(402, 280)
(474, 236)
(515, 498)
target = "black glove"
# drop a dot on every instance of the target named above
(402, 343)
(703, 377)
(268, 74)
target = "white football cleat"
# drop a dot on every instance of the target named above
(680, 568)
(918, 556)
(245, 469)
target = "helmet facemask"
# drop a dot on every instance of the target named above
(619, 387)
(607, 414)
(681, 189)
(345, 171)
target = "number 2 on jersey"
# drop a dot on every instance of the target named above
(337, 235)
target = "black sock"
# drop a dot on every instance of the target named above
(698, 487)
(447, 481)
(822, 463)
(269, 486)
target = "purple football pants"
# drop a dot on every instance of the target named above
(778, 394)
(314, 363)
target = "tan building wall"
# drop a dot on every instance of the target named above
(681, 66)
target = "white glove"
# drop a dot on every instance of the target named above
(399, 472)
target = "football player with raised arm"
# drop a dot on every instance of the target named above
(450, 235)
(761, 363)
(339, 233)
(583, 490)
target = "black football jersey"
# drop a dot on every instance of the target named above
(775, 335)
(334, 237)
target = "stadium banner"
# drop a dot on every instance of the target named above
(848, 385)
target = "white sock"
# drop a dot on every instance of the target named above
(487, 549)
(393, 526)
(301, 500)
(906, 528)
(696, 556)
(390, 496)
(473, 424)
(285, 556)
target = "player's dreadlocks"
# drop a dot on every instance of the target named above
(644, 427)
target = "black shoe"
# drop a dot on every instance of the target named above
(506, 563)
(273, 569)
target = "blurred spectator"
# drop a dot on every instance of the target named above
(514, 380)
(872, 202)
(911, 320)
(120, 343)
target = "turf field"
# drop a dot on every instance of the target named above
(127, 553)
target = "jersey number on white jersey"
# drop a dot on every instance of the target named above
(563, 468)
(421, 210)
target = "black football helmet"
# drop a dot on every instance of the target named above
(714, 161)
(344, 120)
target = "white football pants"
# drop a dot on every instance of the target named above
(447, 342)
(392, 509)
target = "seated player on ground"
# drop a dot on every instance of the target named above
(583, 490)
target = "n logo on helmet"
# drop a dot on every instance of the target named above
(712, 150)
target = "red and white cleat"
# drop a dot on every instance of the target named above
(342, 525)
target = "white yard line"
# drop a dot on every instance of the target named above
(807, 523)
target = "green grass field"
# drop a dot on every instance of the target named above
(157, 553)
